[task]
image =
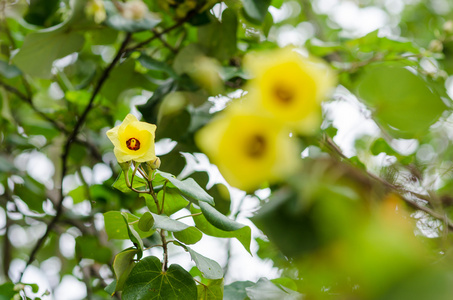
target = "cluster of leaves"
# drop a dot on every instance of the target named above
(343, 224)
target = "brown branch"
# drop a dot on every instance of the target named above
(67, 146)
(395, 188)
(28, 100)
(159, 34)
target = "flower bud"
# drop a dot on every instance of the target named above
(96, 9)
(125, 166)
(134, 10)
(155, 164)
(18, 287)
(436, 46)
(448, 27)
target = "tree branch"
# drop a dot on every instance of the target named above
(394, 188)
(67, 146)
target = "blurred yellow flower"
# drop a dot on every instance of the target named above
(249, 149)
(290, 87)
(133, 140)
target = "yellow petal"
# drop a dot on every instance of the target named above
(249, 149)
(290, 87)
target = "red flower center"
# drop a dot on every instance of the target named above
(133, 144)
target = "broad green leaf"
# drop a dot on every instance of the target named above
(40, 11)
(156, 65)
(213, 290)
(120, 183)
(400, 100)
(218, 220)
(146, 222)
(88, 246)
(7, 291)
(122, 266)
(380, 145)
(124, 77)
(286, 282)
(220, 38)
(116, 226)
(222, 198)
(147, 281)
(210, 268)
(243, 235)
(189, 188)
(42, 48)
(78, 194)
(166, 223)
(8, 71)
(256, 10)
(264, 289)
(236, 290)
(132, 233)
(173, 201)
(372, 42)
(116, 21)
(188, 236)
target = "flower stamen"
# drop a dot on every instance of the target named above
(284, 95)
(133, 144)
(256, 146)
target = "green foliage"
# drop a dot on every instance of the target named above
(147, 280)
(349, 223)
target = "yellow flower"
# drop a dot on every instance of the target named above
(133, 140)
(249, 149)
(290, 87)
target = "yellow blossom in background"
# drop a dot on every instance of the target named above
(249, 149)
(290, 87)
(133, 140)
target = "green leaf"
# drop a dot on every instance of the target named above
(40, 49)
(189, 188)
(40, 11)
(120, 183)
(243, 235)
(122, 266)
(188, 236)
(264, 289)
(116, 21)
(256, 10)
(7, 291)
(125, 77)
(212, 290)
(380, 145)
(156, 65)
(148, 281)
(210, 268)
(88, 246)
(219, 39)
(401, 101)
(166, 223)
(116, 226)
(222, 198)
(132, 233)
(8, 71)
(218, 220)
(146, 222)
(236, 290)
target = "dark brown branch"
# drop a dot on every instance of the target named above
(159, 34)
(29, 101)
(67, 146)
(396, 189)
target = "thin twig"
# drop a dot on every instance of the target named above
(400, 191)
(67, 146)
